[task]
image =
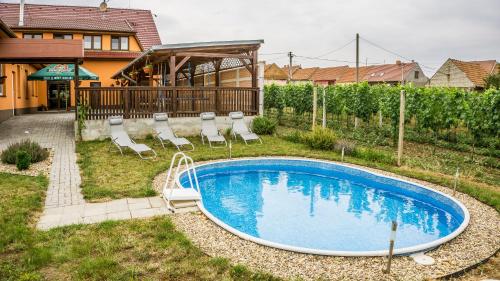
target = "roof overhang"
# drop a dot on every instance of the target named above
(6, 30)
(199, 52)
(29, 51)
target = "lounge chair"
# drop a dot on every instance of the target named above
(165, 134)
(209, 130)
(240, 128)
(121, 139)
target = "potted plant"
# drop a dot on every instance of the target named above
(147, 68)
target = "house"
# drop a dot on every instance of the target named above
(374, 74)
(111, 39)
(464, 74)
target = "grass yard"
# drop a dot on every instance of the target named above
(130, 250)
(108, 175)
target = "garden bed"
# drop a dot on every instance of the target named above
(35, 169)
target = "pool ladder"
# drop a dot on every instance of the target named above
(173, 194)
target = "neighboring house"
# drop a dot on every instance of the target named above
(111, 40)
(464, 74)
(374, 74)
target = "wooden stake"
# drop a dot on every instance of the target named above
(315, 106)
(401, 126)
(324, 108)
(455, 182)
(394, 227)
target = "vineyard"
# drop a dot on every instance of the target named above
(453, 117)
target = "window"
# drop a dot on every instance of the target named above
(417, 74)
(2, 82)
(32, 36)
(92, 42)
(119, 43)
(63, 36)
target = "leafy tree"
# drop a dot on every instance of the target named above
(493, 81)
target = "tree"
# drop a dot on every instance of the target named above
(493, 81)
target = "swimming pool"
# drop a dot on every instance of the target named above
(325, 208)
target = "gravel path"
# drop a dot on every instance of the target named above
(477, 242)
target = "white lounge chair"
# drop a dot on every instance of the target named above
(240, 128)
(121, 139)
(209, 130)
(165, 134)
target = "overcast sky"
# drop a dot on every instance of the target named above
(427, 31)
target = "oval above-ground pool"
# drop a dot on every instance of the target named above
(325, 208)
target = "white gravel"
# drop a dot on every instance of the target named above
(35, 169)
(480, 240)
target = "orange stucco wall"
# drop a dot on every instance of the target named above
(32, 94)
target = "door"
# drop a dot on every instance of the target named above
(58, 96)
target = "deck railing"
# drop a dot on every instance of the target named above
(142, 102)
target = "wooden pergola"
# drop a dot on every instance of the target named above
(172, 62)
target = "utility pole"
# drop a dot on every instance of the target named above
(290, 55)
(357, 57)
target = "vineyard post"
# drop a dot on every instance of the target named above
(401, 126)
(380, 120)
(315, 106)
(324, 107)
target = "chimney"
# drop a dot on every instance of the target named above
(398, 62)
(21, 13)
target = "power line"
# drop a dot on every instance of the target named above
(385, 49)
(270, 54)
(337, 49)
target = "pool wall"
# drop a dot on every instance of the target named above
(400, 186)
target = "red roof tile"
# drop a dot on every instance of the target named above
(476, 71)
(85, 19)
(329, 73)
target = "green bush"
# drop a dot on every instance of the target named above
(374, 155)
(23, 160)
(295, 136)
(36, 152)
(320, 138)
(263, 126)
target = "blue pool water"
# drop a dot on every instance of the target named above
(323, 206)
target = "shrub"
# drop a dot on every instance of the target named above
(349, 147)
(23, 160)
(320, 138)
(36, 152)
(374, 155)
(295, 136)
(263, 126)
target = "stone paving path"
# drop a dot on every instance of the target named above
(64, 203)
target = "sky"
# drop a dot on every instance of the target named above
(322, 32)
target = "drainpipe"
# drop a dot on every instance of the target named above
(13, 96)
(128, 78)
(21, 13)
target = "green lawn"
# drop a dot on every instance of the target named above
(130, 250)
(108, 175)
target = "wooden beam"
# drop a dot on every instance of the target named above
(172, 71)
(213, 55)
(217, 65)
(183, 61)
(191, 77)
(248, 67)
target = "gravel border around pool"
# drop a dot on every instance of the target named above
(479, 241)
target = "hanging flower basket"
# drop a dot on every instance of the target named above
(148, 68)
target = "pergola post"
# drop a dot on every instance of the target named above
(254, 68)
(77, 81)
(172, 71)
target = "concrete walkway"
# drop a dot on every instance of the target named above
(64, 203)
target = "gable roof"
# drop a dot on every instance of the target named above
(476, 71)
(304, 73)
(329, 73)
(388, 72)
(59, 17)
(274, 72)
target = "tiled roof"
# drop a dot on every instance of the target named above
(304, 73)
(476, 71)
(111, 54)
(329, 73)
(349, 76)
(274, 72)
(85, 19)
(388, 72)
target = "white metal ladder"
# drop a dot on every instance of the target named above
(170, 192)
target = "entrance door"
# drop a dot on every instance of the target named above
(58, 96)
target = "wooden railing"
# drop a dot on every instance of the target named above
(142, 102)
